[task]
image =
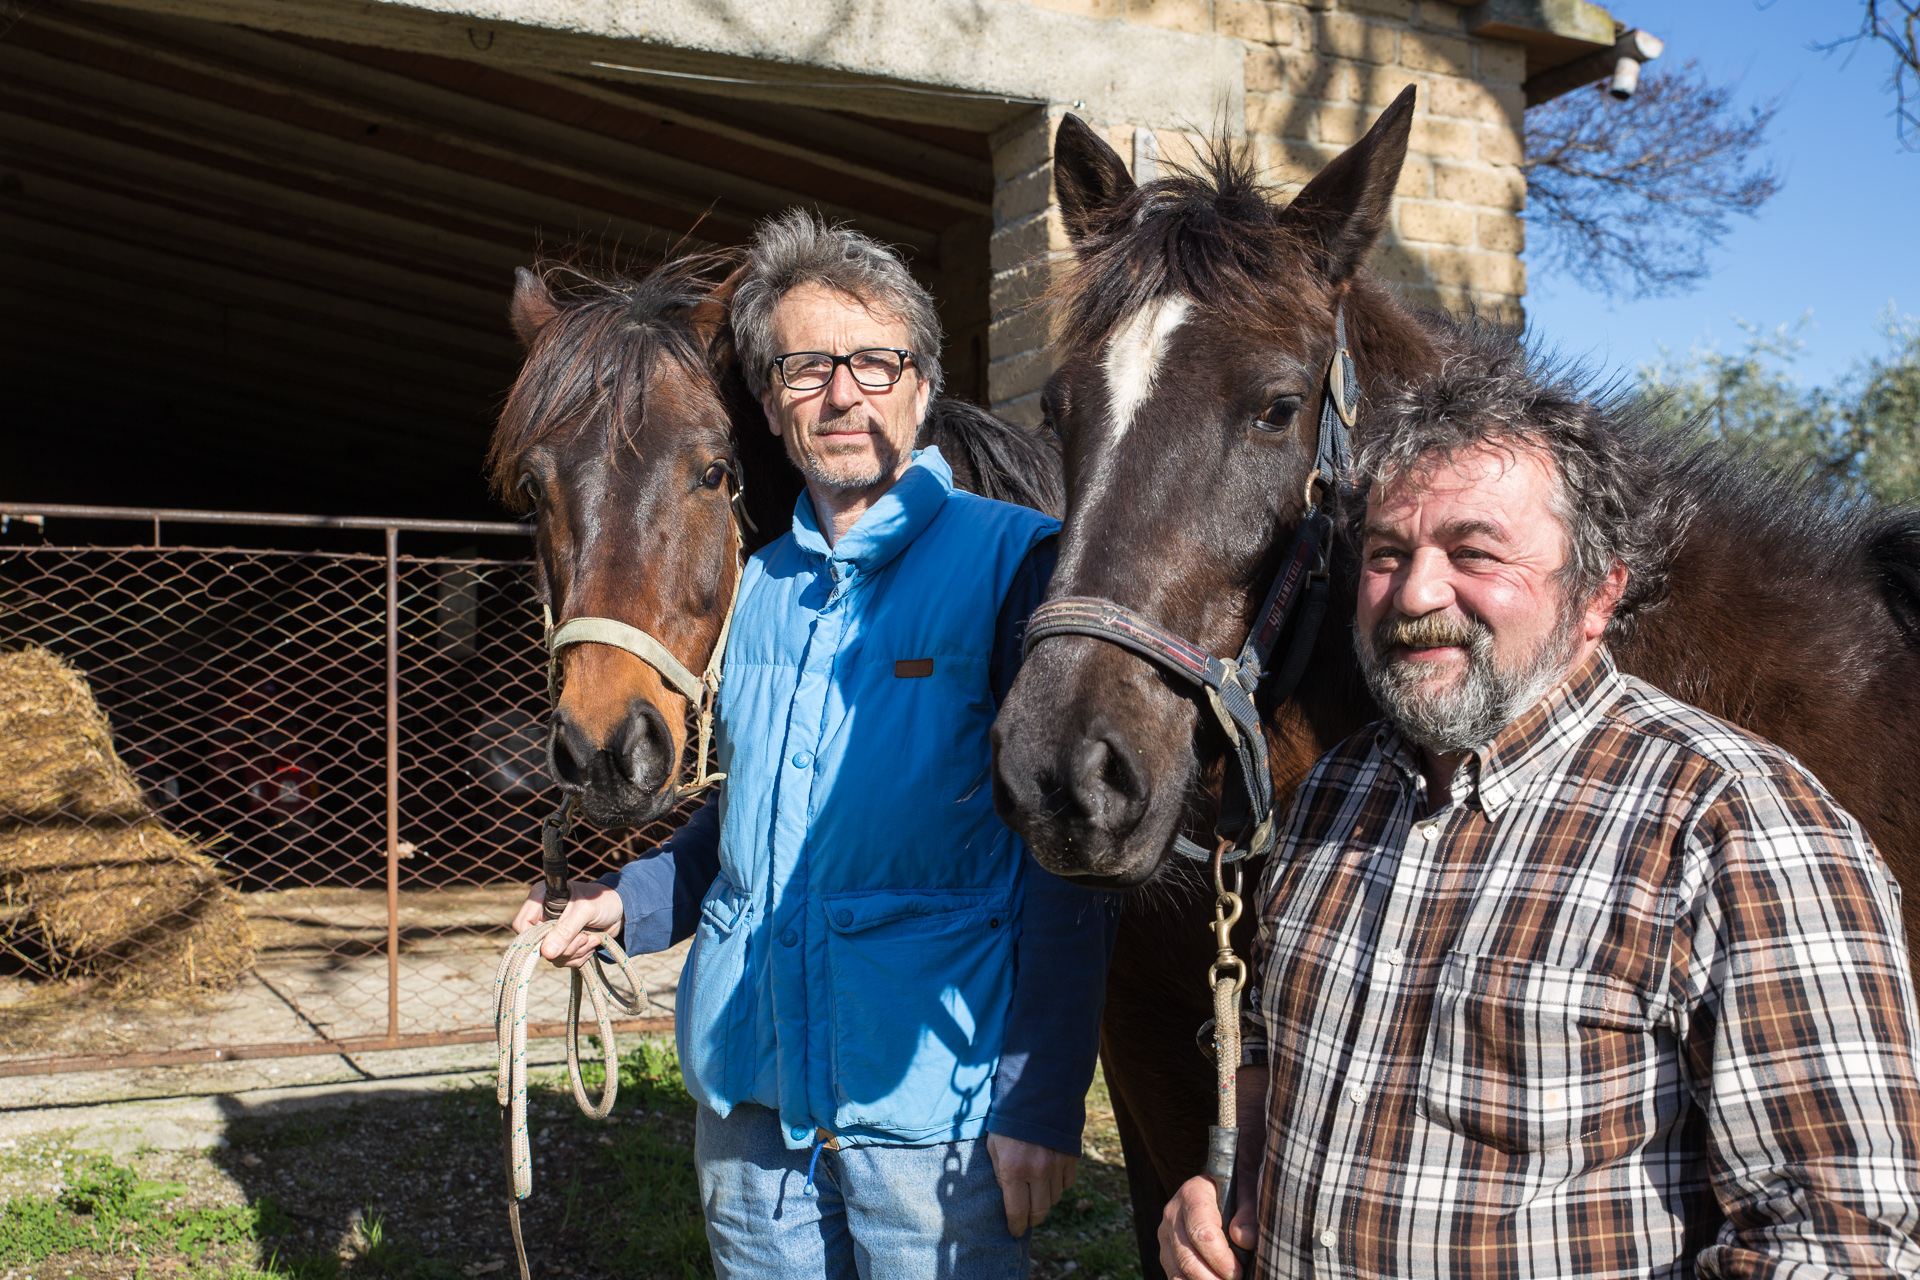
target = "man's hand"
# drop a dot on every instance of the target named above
(1032, 1178)
(1192, 1246)
(591, 913)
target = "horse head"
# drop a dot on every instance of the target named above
(1199, 327)
(619, 435)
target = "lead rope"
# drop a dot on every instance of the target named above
(1228, 977)
(510, 1022)
(522, 957)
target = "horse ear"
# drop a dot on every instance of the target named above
(1089, 176)
(533, 305)
(1345, 207)
(709, 319)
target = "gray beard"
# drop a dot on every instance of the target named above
(811, 465)
(1465, 716)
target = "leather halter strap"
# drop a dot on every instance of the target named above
(1232, 685)
(700, 691)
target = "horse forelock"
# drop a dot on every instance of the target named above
(598, 358)
(1211, 233)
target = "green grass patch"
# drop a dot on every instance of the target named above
(416, 1191)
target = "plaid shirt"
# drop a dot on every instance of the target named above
(1636, 1002)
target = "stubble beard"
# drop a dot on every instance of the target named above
(845, 473)
(1466, 713)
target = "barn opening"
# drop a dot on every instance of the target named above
(268, 270)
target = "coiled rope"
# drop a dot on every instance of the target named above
(510, 1022)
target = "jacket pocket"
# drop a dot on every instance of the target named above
(1533, 1057)
(920, 984)
(712, 1000)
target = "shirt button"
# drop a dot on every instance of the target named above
(800, 1133)
(1396, 956)
(1327, 1238)
(801, 759)
(1357, 1094)
(788, 938)
(843, 918)
(1429, 832)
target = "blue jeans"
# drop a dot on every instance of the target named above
(872, 1213)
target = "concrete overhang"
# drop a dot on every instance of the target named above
(1569, 43)
(974, 64)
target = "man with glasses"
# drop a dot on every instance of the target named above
(890, 1013)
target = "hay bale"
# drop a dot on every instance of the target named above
(113, 894)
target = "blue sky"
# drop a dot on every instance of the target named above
(1842, 238)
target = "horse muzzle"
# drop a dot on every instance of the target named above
(624, 773)
(1095, 797)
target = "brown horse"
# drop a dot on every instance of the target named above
(1199, 325)
(627, 433)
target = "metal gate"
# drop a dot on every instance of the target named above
(356, 736)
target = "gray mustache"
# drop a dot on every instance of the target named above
(1428, 631)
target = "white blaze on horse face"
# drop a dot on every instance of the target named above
(1134, 354)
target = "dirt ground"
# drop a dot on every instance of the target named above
(322, 973)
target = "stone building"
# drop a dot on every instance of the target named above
(257, 252)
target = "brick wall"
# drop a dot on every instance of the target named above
(1317, 74)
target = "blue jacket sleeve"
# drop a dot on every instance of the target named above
(661, 893)
(1066, 939)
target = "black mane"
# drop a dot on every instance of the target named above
(1213, 232)
(995, 458)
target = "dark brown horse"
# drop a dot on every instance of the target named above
(627, 433)
(1199, 324)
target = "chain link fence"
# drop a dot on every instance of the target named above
(355, 739)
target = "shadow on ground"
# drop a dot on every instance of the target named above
(414, 1190)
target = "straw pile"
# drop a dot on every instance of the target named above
(108, 890)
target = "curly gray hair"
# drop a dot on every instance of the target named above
(1608, 496)
(798, 248)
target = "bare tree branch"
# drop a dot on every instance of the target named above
(1896, 24)
(1629, 196)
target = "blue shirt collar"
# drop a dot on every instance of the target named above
(889, 526)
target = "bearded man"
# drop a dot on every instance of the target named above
(1557, 975)
(890, 1013)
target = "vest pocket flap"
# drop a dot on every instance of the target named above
(858, 912)
(724, 905)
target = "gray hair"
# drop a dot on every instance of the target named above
(799, 248)
(1607, 496)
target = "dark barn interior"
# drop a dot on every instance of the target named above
(269, 272)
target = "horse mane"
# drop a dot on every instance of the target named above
(601, 348)
(995, 458)
(1211, 231)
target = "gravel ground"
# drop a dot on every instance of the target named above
(413, 1188)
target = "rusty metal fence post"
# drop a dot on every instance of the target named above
(287, 712)
(393, 783)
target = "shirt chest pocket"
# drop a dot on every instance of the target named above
(1533, 1057)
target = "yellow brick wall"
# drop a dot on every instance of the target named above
(1317, 74)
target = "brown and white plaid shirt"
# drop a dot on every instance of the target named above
(1635, 1003)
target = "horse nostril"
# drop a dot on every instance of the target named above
(643, 752)
(566, 766)
(1105, 785)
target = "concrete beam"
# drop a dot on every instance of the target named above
(974, 64)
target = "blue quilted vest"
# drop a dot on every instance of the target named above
(853, 963)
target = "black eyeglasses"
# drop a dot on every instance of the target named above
(874, 368)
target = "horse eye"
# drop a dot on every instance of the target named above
(716, 475)
(530, 487)
(1279, 415)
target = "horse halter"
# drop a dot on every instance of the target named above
(700, 691)
(1231, 685)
